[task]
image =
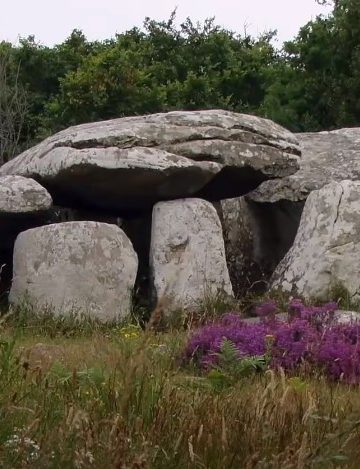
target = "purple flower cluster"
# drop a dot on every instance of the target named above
(309, 337)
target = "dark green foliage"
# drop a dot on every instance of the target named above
(164, 68)
(311, 84)
(159, 68)
(315, 85)
(40, 71)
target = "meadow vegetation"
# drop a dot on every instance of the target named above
(76, 393)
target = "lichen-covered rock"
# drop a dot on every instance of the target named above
(347, 317)
(326, 250)
(22, 196)
(131, 163)
(276, 205)
(326, 157)
(187, 254)
(86, 267)
(340, 316)
(24, 204)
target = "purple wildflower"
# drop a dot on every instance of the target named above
(311, 336)
(267, 309)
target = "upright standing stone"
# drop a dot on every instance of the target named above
(86, 267)
(326, 250)
(187, 254)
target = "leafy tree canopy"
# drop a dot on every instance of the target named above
(311, 84)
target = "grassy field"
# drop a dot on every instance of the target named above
(80, 396)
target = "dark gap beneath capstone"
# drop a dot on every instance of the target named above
(238, 233)
(6, 268)
(232, 182)
(10, 227)
(118, 190)
(138, 230)
(275, 226)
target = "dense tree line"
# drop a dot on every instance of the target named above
(312, 83)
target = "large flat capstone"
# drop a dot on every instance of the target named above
(134, 162)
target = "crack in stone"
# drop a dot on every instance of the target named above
(242, 127)
(138, 142)
(337, 211)
(338, 246)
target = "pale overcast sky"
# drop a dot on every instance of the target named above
(51, 21)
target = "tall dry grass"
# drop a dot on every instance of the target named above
(120, 399)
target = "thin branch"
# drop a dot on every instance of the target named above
(13, 108)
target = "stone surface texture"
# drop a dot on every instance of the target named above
(133, 162)
(80, 267)
(326, 157)
(326, 250)
(276, 206)
(22, 196)
(187, 254)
